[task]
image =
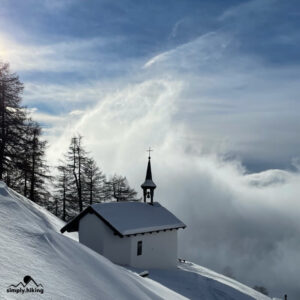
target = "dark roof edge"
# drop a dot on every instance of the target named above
(158, 230)
(72, 225)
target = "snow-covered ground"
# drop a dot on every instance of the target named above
(31, 245)
(196, 282)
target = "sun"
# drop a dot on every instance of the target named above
(4, 52)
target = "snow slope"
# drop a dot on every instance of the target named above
(195, 282)
(30, 244)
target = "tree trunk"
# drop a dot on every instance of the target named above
(64, 202)
(79, 181)
(91, 192)
(3, 138)
(25, 184)
(32, 186)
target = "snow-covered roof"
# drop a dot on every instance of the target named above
(127, 218)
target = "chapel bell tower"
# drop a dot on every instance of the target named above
(148, 186)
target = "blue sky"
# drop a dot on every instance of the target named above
(75, 43)
(212, 86)
(62, 44)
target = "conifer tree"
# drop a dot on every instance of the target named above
(38, 169)
(12, 117)
(120, 190)
(22, 151)
(93, 182)
(76, 158)
(62, 194)
(80, 183)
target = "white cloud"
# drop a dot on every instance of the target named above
(55, 57)
(176, 27)
(76, 112)
(46, 118)
(193, 54)
(123, 117)
(248, 9)
(87, 93)
(156, 59)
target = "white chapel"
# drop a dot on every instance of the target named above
(131, 233)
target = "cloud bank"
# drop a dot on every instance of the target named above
(248, 222)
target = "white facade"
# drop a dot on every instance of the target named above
(158, 250)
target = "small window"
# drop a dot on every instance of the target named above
(139, 247)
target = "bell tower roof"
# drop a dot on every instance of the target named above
(148, 183)
(148, 186)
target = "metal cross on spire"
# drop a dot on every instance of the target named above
(149, 150)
